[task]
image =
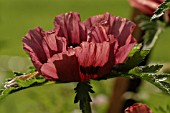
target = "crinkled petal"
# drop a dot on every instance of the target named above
(98, 19)
(90, 54)
(55, 44)
(49, 71)
(50, 39)
(105, 69)
(32, 43)
(123, 52)
(64, 67)
(68, 68)
(98, 34)
(120, 28)
(96, 59)
(125, 31)
(43, 45)
(71, 28)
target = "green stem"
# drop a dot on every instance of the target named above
(86, 107)
(82, 96)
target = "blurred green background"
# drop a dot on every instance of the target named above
(18, 16)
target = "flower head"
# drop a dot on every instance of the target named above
(138, 108)
(146, 6)
(77, 51)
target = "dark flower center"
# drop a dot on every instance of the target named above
(89, 70)
(73, 45)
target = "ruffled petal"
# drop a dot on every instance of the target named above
(95, 20)
(90, 54)
(98, 34)
(123, 52)
(106, 68)
(32, 43)
(62, 66)
(68, 68)
(95, 59)
(125, 31)
(49, 71)
(71, 28)
(120, 28)
(50, 38)
(55, 44)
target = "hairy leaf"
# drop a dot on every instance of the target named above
(27, 83)
(149, 73)
(18, 84)
(151, 68)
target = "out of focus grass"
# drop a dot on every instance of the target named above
(18, 16)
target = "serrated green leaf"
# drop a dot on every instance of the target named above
(136, 48)
(149, 73)
(34, 80)
(164, 86)
(134, 60)
(162, 8)
(40, 79)
(17, 85)
(31, 69)
(151, 69)
(25, 83)
(6, 92)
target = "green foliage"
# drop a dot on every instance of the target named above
(82, 96)
(5, 92)
(161, 109)
(161, 9)
(32, 81)
(152, 30)
(19, 84)
(148, 73)
(152, 68)
(136, 59)
(15, 84)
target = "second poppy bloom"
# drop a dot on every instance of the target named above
(146, 6)
(76, 51)
(138, 108)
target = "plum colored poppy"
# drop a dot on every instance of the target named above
(138, 108)
(146, 6)
(76, 51)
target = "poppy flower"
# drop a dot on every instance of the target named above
(76, 51)
(138, 108)
(146, 6)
